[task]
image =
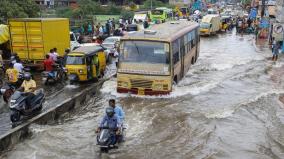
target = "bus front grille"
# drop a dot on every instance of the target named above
(140, 83)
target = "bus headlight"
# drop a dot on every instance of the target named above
(158, 87)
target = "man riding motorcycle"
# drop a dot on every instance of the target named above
(12, 75)
(29, 87)
(113, 122)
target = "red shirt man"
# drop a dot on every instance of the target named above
(48, 62)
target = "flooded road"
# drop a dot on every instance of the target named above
(227, 106)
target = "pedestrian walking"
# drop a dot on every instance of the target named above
(275, 50)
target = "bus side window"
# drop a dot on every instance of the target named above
(176, 56)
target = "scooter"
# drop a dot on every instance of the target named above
(104, 138)
(18, 105)
(7, 91)
(59, 74)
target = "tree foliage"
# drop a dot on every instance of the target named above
(18, 9)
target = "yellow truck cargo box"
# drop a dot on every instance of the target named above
(32, 38)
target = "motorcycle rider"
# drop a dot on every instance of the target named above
(113, 123)
(12, 74)
(29, 87)
(19, 66)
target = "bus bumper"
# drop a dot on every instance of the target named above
(142, 92)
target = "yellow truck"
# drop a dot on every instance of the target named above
(32, 38)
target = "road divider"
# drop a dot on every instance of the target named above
(19, 133)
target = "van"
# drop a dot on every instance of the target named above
(210, 24)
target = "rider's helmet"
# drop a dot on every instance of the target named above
(27, 76)
(109, 111)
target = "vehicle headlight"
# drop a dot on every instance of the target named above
(158, 87)
(13, 104)
(2, 91)
(81, 71)
(124, 84)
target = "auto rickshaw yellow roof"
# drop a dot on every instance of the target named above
(88, 50)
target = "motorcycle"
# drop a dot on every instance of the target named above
(7, 91)
(18, 105)
(59, 74)
(104, 138)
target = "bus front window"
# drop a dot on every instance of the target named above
(145, 52)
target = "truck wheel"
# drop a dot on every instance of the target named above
(15, 116)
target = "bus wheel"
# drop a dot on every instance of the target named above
(175, 81)
(192, 60)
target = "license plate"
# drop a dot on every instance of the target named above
(141, 92)
(13, 101)
(44, 79)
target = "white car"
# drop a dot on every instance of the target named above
(110, 42)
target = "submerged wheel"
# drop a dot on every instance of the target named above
(15, 116)
(104, 150)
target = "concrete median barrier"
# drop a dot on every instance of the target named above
(19, 133)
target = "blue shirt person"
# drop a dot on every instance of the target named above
(112, 122)
(117, 109)
(119, 112)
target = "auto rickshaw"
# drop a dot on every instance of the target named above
(225, 21)
(86, 63)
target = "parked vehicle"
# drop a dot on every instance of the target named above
(86, 63)
(32, 38)
(210, 24)
(18, 106)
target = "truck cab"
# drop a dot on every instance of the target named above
(74, 44)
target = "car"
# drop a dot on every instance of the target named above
(110, 42)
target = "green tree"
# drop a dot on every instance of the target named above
(155, 4)
(18, 9)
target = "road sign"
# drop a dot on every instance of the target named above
(278, 31)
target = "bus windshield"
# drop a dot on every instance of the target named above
(157, 12)
(145, 52)
(75, 60)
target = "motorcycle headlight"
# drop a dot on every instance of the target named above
(2, 91)
(158, 87)
(13, 104)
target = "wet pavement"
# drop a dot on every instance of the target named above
(227, 106)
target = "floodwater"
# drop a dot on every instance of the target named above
(227, 106)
